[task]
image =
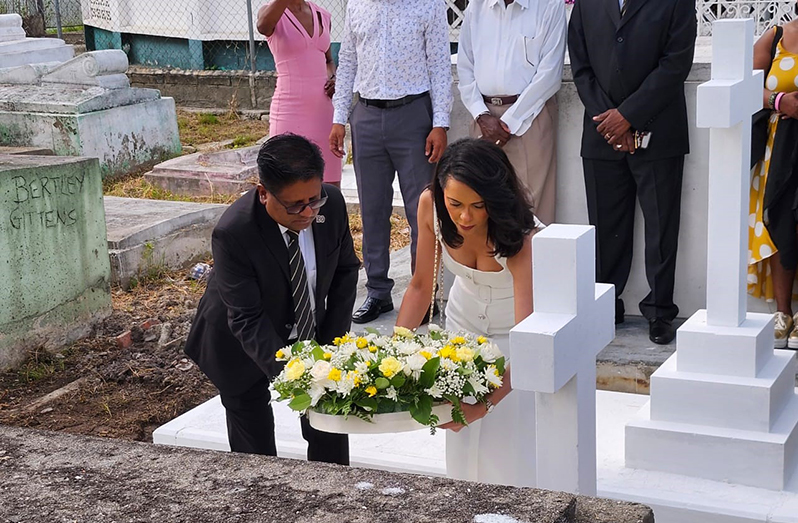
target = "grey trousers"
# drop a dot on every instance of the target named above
(386, 142)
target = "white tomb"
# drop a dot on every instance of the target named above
(86, 107)
(553, 353)
(724, 406)
(16, 49)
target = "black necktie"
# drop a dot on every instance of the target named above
(623, 8)
(303, 313)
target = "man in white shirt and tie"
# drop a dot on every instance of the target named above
(396, 56)
(509, 64)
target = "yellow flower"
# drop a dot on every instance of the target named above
(354, 377)
(327, 355)
(449, 352)
(482, 339)
(294, 369)
(403, 332)
(390, 366)
(334, 374)
(279, 354)
(372, 349)
(368, 363)
(362, 343)
(427, 355)
(464, 354)
(371, 390)
(343, 339)
(458, 340)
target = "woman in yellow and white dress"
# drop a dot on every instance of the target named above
(772, 241)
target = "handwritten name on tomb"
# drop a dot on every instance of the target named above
(53, 210)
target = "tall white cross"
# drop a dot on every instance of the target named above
(725, 105)
(553, 353)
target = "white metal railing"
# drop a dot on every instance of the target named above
(766, 13)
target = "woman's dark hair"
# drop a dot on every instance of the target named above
(288, 158)
(485, 168)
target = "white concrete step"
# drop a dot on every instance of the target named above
(721, 350)
(724, 401)
(758, 459)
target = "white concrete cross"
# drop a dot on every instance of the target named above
(553, 353)
(725, 105)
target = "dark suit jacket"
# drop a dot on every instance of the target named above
(637, 65)
(247, 312)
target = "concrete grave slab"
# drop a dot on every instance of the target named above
(84, 107)
(16, 49)
(54, 270)
(81, 478)
(148, 234)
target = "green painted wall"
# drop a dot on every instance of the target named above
(54, 268)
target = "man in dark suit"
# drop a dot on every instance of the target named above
(630, 59)
(284, 269)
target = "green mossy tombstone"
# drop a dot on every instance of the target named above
(54, 268)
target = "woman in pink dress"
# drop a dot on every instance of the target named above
(298, 34)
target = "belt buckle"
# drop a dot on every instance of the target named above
(495, 100)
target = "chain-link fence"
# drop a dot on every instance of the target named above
(219, 34)
(46, 15)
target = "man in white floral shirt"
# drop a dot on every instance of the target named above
(395, 55)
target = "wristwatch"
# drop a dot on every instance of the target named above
(489, 405)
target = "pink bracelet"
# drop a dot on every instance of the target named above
(778, 99)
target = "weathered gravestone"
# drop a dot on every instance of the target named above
(553, 353)
(724, 407)
(16, 49)
(86, 107)
(54, 268)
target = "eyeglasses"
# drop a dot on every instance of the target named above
(298, 208)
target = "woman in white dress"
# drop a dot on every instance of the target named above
(478, 216)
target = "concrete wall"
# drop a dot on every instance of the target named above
(54, 268)
(213, 89)
(691, 266)
(201, 88)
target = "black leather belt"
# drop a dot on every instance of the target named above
(500, 100)
(389, 104)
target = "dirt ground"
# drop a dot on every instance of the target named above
(95, 387)
(107, 390)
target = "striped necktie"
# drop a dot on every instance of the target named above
(303, 312)
(623, 8)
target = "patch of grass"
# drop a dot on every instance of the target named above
(208, 119)
(243, 141)
(64, 29)
(136, 186)
(40, 364)
(199, 128)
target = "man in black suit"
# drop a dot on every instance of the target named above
(630, 59)
(284, 269)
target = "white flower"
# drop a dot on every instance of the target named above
(362, 368)
(317, 390)
(390, 393)
(320, 370)
(435, 391)
(416, 362)
(492, 376)
(490, 352)
(433, 327)
(479, 387)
